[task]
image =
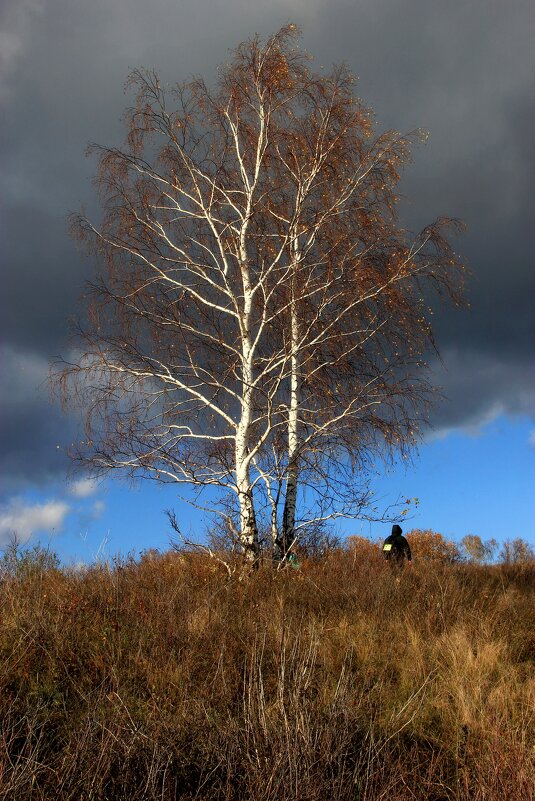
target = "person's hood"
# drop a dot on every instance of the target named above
(396, 530)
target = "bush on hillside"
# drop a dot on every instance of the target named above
(429, 545)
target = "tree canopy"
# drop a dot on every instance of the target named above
(261, 324)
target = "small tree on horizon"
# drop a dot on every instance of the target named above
(477, 550)
(260, 326)
(516, 551)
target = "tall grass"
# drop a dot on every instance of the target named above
(166, 679)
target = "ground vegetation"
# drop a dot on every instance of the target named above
(166, 678)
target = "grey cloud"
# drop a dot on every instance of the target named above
(476, 389)
(32, 431)
(15, 20)
(462, 70)
(46, 276)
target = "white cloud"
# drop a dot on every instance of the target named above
(83, 488)
(25, 519)
(98, 509)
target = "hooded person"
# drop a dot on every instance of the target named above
(396, 549)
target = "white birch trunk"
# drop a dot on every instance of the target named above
(275, 533)
(288, 521)
(248, 528)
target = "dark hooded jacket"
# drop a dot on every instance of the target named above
(396, 548)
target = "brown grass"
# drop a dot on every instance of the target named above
(166, 679)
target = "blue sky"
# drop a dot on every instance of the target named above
(462, 71)
(467, 483)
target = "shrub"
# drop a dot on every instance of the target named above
(20, 562)
(430, 545)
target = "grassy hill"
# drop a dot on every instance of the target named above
(168, 679)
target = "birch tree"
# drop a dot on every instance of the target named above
(259, 328)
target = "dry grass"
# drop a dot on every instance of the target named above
(165, 679)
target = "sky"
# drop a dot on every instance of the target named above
(461, 70)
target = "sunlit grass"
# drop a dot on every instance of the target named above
(167, 679)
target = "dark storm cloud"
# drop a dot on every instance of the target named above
(44, 275)
(476, 387)
(464, 71)
(33, 433)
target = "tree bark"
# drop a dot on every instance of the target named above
(288, 520)
(248, 527)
